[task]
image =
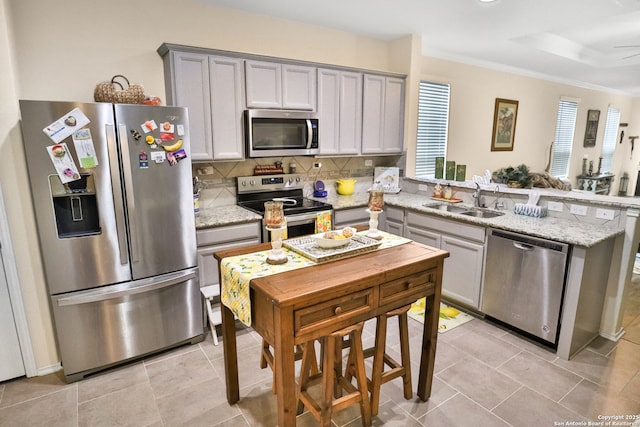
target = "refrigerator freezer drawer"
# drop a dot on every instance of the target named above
(106, 326)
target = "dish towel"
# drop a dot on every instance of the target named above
(323, 222)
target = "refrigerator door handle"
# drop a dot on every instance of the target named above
(118, 208)
(128, 289)
(128, 183)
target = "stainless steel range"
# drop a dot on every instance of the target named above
(301, 213)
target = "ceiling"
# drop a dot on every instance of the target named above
(594, 43)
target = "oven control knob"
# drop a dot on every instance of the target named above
(243, 183)
(297, 179)
(252, 183)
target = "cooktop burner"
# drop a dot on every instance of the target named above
(253, 191)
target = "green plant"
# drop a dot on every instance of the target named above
(520, 175)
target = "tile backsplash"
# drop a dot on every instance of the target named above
(218, 179)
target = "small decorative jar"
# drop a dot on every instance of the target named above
(437, 190)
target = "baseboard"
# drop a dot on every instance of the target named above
(615, 337)
(49, 369)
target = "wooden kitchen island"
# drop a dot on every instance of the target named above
(296, 306)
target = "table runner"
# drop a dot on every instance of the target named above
(238, 271)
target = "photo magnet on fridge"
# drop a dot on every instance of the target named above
(175, 156)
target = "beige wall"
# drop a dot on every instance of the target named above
(62, 49)
(13, 178)
(473, 94)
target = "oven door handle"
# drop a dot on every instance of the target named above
(302, 218)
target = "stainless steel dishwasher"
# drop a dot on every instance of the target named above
(524, 283)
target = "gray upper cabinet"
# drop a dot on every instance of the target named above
(383, 115)
(211, 87)
(227, 106)
(340, 111)
(361, 113)
(188, 86)
(285, 86)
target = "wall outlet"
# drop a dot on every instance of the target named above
(579, 210)
(368, 163)
(605, 213)
(317, 165)
(555, 206)
(422, 187)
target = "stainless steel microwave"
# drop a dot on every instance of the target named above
(276, 133)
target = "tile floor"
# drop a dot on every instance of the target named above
(485, 376)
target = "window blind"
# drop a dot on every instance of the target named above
(433, 124)
(565, 128)
(610, 137)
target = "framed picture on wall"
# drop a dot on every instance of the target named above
(593, 116)
(504, 124)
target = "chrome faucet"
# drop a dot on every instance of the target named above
(499, 205)
(476, 196)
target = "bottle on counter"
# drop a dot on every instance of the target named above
(448, 192)
(376, 197)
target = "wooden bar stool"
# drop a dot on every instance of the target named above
(380, 358)
(332, 374)
(267, 359)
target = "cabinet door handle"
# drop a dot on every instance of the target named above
(337, 310)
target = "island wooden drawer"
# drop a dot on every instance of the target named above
(336, 311)
(408, 288)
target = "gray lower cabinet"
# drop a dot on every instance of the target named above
(220, 238)
(350, 217)
(211, 87)
(392, 221)
(463, 270)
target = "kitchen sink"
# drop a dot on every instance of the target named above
(479, 213)
(464, 210)
(446, 207)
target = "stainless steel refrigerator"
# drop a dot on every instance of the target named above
(112, 191)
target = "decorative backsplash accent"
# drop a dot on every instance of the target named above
(218, 179)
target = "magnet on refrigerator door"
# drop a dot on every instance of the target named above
(85, 149)
(66, 125)
(143, 160)
(149, 126)
(63, 162)
(157, 156)
(175, 156)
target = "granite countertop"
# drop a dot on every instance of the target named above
(224, 215)
(561, 230)
(558, 229)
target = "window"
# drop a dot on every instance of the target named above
(610, 137)
(565, 127)
(433, 124)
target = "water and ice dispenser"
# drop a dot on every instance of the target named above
(75, 206)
